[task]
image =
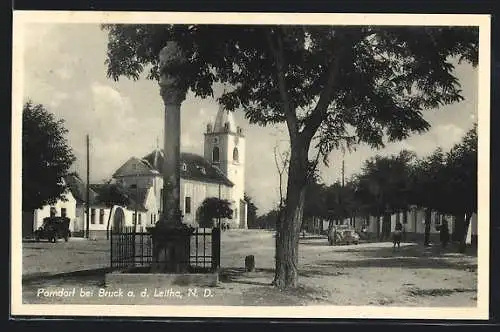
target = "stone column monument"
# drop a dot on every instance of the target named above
(171, 238)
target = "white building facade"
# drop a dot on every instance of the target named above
(224, 147)
(219, 173)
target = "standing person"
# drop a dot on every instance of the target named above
(444, 233)
(396, 236)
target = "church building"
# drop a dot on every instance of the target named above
(220, 172)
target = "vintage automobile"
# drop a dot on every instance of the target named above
(343, 235)
(53, 228)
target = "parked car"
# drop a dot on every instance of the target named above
(53, 228)
(343, 235)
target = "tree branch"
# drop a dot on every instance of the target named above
(278, 53)
(319, 113)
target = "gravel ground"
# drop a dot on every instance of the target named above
(364, 274)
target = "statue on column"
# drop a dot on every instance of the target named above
(171, 238)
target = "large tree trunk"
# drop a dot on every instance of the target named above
(287, 249)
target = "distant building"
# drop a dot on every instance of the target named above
(414, 224)
(219, 173)
(103, 215)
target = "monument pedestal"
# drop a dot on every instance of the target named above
(171, 248)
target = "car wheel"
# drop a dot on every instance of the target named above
(65, 239)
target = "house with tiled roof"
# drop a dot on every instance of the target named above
(218, 173)
(102, 211)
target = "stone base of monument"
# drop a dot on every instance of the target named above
(169, 266)
(136, 279)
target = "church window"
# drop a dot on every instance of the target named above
(215, 154)
(187, 205)
(226, 127)
(216, 140)
(235, 154)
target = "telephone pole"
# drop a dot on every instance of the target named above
(343, 166)
(87, 233)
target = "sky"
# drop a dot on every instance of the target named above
(64, 70)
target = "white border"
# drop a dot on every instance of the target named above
(480, 312)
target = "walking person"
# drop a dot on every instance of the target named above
(396, 236)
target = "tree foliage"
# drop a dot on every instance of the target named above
(252, 212)
(384, 184)
(214, 208)
(47, 157)
(113, 194)
(331, 85)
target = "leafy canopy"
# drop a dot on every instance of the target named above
(351, 83)
(47, 157)
(214, 208)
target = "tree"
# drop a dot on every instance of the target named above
(111, 194)
(214, 208)
(268, 220)
(384, 185)
(252, 212)
(460, 193)
(328, 84)
(337, 203)
(47, 157)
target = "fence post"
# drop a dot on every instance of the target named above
(215, 248)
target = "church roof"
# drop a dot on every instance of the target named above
(224, 117)
(133, 167)
(197, 168)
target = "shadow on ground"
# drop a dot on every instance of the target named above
(409, 256)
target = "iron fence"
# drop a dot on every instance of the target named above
(131, 249)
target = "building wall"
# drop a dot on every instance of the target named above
(416, 224)
(69, 204)
(197, 193)
(98, 227)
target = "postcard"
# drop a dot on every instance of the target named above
(250, 165)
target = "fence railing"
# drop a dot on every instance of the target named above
(131, 249)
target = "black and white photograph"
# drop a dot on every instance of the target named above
(250, 165)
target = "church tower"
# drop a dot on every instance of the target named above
(225, 148)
